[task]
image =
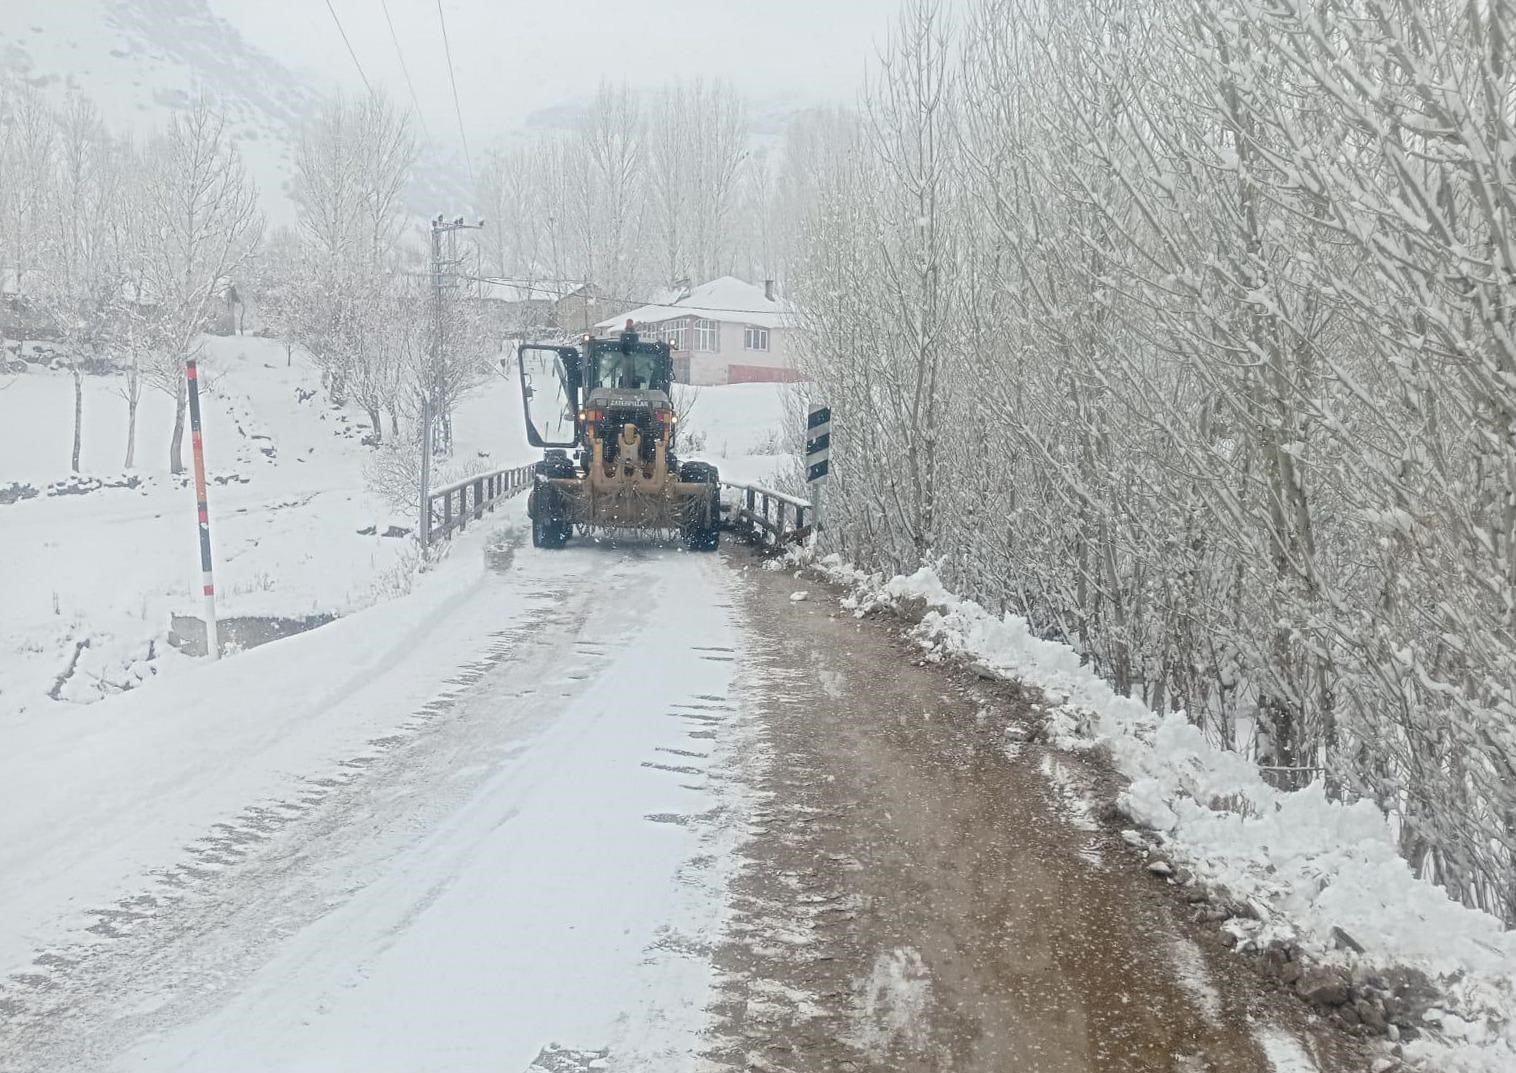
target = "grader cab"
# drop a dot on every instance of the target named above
(603, 413)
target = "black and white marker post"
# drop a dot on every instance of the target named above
(197, 445)
(818, 453)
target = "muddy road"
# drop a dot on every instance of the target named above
(921, 892)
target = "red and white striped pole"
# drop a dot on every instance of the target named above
(212, 644)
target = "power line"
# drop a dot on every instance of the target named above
(399, 52)
(451, 77)
(350, 52)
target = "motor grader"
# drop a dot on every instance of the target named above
(604, 416)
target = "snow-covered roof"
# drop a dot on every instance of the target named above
(727, 298)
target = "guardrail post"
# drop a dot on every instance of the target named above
(479, 499)
(447, 512)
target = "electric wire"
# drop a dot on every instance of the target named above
(405, 69)
(453, 79)
(366, 84)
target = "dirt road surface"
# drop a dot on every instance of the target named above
(923, 893)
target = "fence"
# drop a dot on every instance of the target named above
(451, 507)
(766, 516)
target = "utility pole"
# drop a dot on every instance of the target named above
(443, 272)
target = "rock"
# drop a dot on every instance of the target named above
(1383, 1065)
(1290, 971)
(911, 609)
(1160, 867)
(1343, 941)
(1322, 987)
(796, 597)
(1134, 839)
(1411, 996)
(1371, 1013)
(15, 493)
(1348, 1015)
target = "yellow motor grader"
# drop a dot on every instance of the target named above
(603, 413)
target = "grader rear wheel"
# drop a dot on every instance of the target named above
(702, 532)
(551, 528)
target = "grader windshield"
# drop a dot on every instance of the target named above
(621, 366)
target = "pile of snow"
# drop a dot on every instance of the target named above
(1309, 864)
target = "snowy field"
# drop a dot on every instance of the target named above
(100, 574)
(91, 581)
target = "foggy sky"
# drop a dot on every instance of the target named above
(514, 59)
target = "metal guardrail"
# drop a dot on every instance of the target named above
(766, 516)
(452, 506)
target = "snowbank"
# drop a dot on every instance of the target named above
(1306, 864)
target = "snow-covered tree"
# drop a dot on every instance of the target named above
(353, 166)
(201, 226)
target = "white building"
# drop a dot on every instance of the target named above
(722, 332)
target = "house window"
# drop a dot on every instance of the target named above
(673, 333)
(707, 335)
(755, 338)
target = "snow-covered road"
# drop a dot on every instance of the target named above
(616, 808)
(498, 835)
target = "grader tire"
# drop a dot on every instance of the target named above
(703, 533)
(550, 528)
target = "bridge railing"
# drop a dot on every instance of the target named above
(454, 505)
(764, 515)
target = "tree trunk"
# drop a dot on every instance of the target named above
(175, 445)
(376, 421)
(131, 426)
(78, 410)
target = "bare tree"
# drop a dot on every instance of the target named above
(353, 166)
(202, 226)
(79, 288)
